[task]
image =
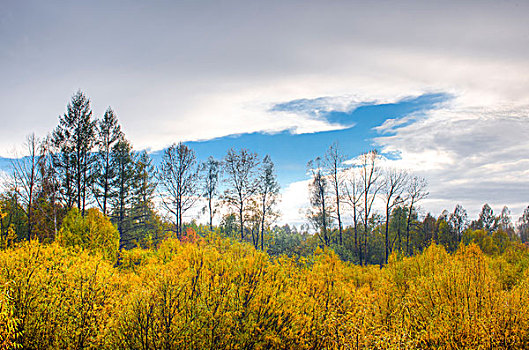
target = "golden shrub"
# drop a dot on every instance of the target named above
(217, 293)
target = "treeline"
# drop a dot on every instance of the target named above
(86, 170)
(88, 163)
(222, 294)
(381, 206)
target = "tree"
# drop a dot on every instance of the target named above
(142, 212)
(267, 194)
(370, 182)
(523, 226)
(505, 222)
(26, 180)
(487, 220)
(211, 170)
(397, 225)
(353, 197)
(333, 163)
(241, 171)
(415, 192)
(122, 185)
(393, 190)
(319, 214)
(74, 139)
(446, 236)
(12, 218)
(428, 232)
(458, 221)
(178, 175)
(93, 232)
(109, 134)
(48, 212)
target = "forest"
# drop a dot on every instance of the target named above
(98, 251)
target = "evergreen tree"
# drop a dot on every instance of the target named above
(109, 134)
(143, 215)
(74, 139)
(123, 181)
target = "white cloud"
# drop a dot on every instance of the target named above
(191, 71)
(195, 70)
(294, 203)
(469, 156)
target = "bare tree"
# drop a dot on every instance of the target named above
(333, 163)
(241, 171)
(393, 190)
(211, 170)
(415, 192)
(319, 199)
(26, 178)
(353, 197)
(267, 191)
(370, 182)
(49, 188)
(178, 174)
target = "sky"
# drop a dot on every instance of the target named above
(440, 87)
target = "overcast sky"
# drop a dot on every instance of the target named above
(197, 70)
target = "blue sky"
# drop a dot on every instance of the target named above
(441, 86)
(291, 152)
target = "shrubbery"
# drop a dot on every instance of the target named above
(93, 232)
(218, 293)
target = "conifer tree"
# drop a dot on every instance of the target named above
(142, 212)
(123, 163)
(74, 140)
(109, 134)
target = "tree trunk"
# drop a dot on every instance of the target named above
(210, 215)
(387, 233)
(241, 223)
(408, 223)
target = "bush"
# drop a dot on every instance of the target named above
(218, 293)
(93, 232)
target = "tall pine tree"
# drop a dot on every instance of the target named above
(123, 181)
(109, 134)
(144, 218)
(74, 140)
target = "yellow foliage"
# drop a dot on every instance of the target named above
(217, 293)
(93, 232)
